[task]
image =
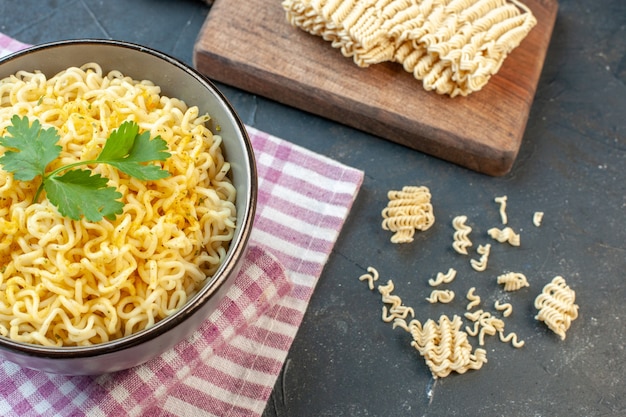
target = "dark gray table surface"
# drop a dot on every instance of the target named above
(345, 361)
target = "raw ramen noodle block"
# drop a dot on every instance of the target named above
(557, 307)
(453, 46)
(408, 210)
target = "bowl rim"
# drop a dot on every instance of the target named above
(237, 248)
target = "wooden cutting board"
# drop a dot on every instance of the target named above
(250, 45)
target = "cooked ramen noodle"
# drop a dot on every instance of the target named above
(73, 282)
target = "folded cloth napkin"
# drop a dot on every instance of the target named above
(229, 366)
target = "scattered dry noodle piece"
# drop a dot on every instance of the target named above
(513, 281)
(556, 305)
(440, 296)
(386, 289)
(370, 277)
(389, 298)
(442, 278)
(537, 218)
(443, 344)
(511, 337)
(396, 310)
(461, 235)
(474, 316)
(505, 235)
(481, 264)
(395, 313)
(502, 202)
(506, 308)
(474, 300)
(487, 325)
(484, 324)
(400, 322)
(407, 211)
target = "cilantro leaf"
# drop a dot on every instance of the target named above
(119, 142)
(77, 193)
(126, 149)
(34, 148)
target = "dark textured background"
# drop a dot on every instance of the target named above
(345, 361)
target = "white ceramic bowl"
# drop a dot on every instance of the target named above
(176, 79)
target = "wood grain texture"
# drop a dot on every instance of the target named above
(250, 45)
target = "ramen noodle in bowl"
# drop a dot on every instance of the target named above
(67, 282)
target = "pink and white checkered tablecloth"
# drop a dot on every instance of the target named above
(229, 366)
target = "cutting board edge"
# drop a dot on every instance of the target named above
(466, 152)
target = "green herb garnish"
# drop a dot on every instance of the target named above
(77, 192)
